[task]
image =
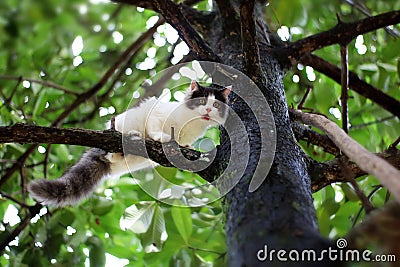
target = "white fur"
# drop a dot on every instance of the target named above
(154, 119)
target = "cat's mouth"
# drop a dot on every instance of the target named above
(205, 117)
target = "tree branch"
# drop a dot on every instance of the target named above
(356, 84)
(150, 5)
(325, 173)
(42, 82)
(22, 225)
(110, 72)
(251, 55)
(344, 97)
(111, 141)
(341, 33)
(388, 175)
(172, 13)
(312, 137)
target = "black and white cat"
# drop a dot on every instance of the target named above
(202, 108)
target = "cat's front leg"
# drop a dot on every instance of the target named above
(160, 136)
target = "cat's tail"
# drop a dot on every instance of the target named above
(76, 183)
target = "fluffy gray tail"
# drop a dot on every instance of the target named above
(76, 183)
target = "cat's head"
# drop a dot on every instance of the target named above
(209, 101)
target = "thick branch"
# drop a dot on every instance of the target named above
(356, 84)
(110, 141)
(388, 175)
(251, 57)
(341, 33)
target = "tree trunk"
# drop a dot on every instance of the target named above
(280, 214)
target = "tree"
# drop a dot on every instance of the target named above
(41, 86)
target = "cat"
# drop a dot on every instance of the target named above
(203, 107)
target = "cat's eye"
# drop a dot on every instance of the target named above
(216, 105)
(202, 101)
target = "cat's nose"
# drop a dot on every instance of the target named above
(208, 110)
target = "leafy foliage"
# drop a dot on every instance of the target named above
(120, 224)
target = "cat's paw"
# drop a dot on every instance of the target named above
(135, 133)
(160, 137)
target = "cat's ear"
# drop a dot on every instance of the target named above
(227, 90)
(194, 85)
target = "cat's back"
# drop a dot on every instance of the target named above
(135, 117)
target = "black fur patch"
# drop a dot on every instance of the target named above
(203, 92)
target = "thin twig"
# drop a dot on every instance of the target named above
(366, 203)
(110, 72)
(22, 204)
(8, 100)
(395, 143)
(207, 250)
(344, 97)
(304, 98)
(45, 161)
(363, 125)
(23, 183)
(360, 6)
(341, 33)
(376, 189)
(355, 83)
(42, 82)
(388, 175)
(15, 167)
(33, 210)
(324, 173)
(105, 96)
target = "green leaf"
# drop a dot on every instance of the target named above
(40, 103)
(18, 260)
(52, 245)
(62, 152)
(153, 239)
(77, 238)
(183, 221)
(331, 206)
(138, 218)
(349, 192)
(102, 206)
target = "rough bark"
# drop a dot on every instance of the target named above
(280, 214)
